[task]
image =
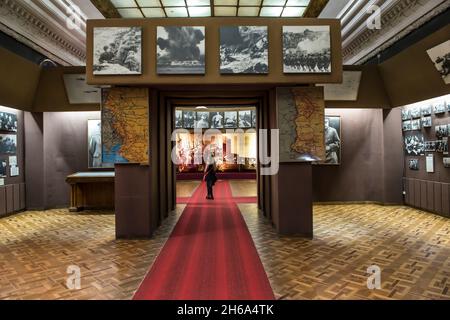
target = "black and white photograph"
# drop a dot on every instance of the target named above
(230, 119)
(415, 113)
(202, 121)
(415, 124)
(244, 49)
(426, 110)
(440, 56)
(306, 49)
(245, 119)
(254, 119)
(332, 140)
(442, 145)
(440, 108)
(216, 120)
(178, 119)
(430, 146)
(414, 145)
(406, 115)
(446, 162)
(427, 122)
(3, 169)
(94, 144)
(445, 146)
(8, 122)
(188, 119)
(406, 125)
(117, 51)
(8, 143)
(414, 164)
(180, 50)
(441, 131)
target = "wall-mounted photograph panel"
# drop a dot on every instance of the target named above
(427, 122)
(440, 56)
(180, 50)
(8, 143)
(244, 49)
(414, 144)
(413, 164)
(8, 122)
(230, 119)
(188, 119)
(95, 144)
(117, 51)
(202, 120)
(332, 140)
(216, 120)
(306, 49)
(245, 119)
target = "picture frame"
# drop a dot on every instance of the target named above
(180, 50)
(299, 56)
(117, 51)
(333, 140)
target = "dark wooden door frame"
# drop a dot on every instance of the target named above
(166, 104)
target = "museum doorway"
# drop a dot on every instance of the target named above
(224, 123)
(227, 134)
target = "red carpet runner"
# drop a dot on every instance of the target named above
(210, 255)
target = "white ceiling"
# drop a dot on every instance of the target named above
(210, 8)
(398, 18)
(55, 28)
(42, 24)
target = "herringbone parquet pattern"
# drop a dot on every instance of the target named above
(411, 247)
(37, 247)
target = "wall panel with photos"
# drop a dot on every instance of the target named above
(426, 128)
(224, 142)
(204, 51)
(12, 186)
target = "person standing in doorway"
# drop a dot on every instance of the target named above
(210, 176)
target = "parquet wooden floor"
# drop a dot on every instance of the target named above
(37, 247)
(411, 247)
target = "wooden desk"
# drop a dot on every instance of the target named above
(91, 190)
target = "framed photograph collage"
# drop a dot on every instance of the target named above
(181, 50)
(236, 119)
(426, 130)
(8, 146)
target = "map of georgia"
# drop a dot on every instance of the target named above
(125, 125)
(301, 113)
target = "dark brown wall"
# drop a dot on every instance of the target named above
(18, 82)
(371, 162)
(65, 152)
(411, 76)
(212, 76)
(56, 147)
(393, 156)
(372, 93)
(51, 93)
(359, 177)
(34, 166)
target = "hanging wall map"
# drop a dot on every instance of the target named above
(125, 125)
(301, 114)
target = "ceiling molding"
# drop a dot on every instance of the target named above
(398, 19)
(106, 8)
(314, 8)
(38, 25)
